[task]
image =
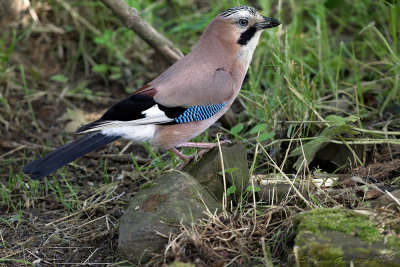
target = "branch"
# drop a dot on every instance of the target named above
(131, 19)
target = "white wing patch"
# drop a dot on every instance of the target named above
(155, 114)
(152, 115)
(138, 133)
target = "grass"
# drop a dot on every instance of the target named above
(328, 75)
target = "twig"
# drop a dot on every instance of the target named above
(224, 198)
(13, 151)
(253, 190)
(86, 261)
(31, 11)
(264, 250)
(131, 19)
(359, 180)
(393, 197)
(38, 260)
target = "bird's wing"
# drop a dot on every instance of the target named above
(145, 106)
(198, 85)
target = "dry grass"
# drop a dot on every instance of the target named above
(232, 239)
(49, 235)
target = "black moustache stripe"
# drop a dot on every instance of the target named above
(246, 36)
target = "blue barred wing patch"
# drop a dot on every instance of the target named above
(199, 112)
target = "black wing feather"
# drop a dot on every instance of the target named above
(132, 108)
(129, 109)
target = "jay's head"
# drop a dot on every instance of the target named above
(245, 22)
(239, 29)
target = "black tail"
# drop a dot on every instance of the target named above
(54, 160)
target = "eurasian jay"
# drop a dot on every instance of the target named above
(182, 102)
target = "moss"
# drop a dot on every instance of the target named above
(193, 194)
(334, 219)
(326, 252)
(148, 185)
(316, 251)
(168, 220)
(361, 250)
(181, 264)
(393, 241)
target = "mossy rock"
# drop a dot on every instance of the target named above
(208, 170)
(326, 237)
(174, 198)
(181, 264)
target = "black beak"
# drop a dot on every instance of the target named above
(268, 23)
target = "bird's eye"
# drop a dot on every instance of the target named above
(243, 22)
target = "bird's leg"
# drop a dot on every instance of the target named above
(186, 159)
(206, 147)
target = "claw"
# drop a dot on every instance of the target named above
(184, 164)
(225, 142)
(186, 159)
(206, 147)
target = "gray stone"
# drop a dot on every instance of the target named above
(207, 170)
(173, 198)
(275, 193)
(386, 201)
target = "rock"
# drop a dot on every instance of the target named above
(386, 201)
(274, 193)
(332, 156)
(207, 169)
(275, 189)
(171, 199)
(326, 237)
(181, 264)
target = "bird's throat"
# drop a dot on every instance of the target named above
(245, 53)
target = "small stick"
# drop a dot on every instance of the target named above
(130, 18)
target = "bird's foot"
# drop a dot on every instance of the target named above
(206, 147)
(186, 159)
